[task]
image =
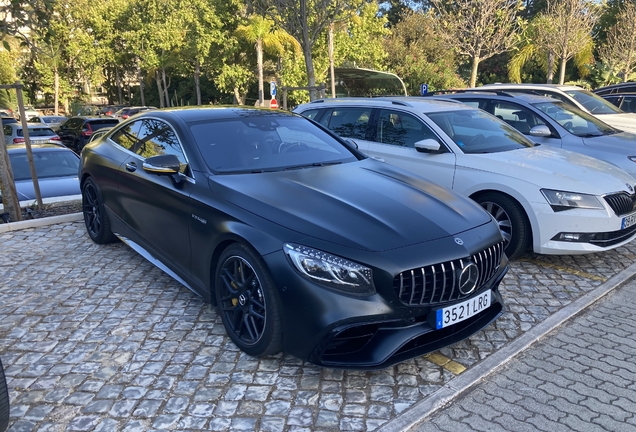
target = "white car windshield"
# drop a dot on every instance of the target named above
(476, 131)
(574, 120)
(593, 103)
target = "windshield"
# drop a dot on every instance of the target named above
(47, 164)
(593, 103)
(476, 131)
(574, 120)
(37, 132)
(266, 142)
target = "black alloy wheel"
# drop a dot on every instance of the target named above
(511, 221)
(247, 302)
(95, 218)
(4, 401)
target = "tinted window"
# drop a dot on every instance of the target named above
(311, 114)
(348, 122)
(127, 136)
(476, 131)
(629, 104)
(37, 131)
(157, 138)
(47, 164)
(266, 143)
(98, 124)
(8, 131)
(401, 129)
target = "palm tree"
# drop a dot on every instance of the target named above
(262, 33)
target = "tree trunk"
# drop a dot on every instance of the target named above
(7, 184)
(550, 74)
(237, 97)
(141, 87)
(332, 73)
(159, 89)
(259, 63)
(197, 82)
(564, 61)
(473, 73)
(56, 91)
(306, 45)
(118, 81)
(165, 87)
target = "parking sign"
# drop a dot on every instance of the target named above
(423, 89)
(272, 88)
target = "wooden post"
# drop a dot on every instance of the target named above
(27, 144)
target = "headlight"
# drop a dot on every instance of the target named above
(560, 200)
(331, 270)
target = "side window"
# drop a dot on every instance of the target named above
(401, 129)
(517, 116)
(614, 100)
(158, 138)
(348, 122)
(629, 104)
(128, 135)
(311, 114)
(8, 131)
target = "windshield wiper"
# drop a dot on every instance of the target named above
(590, 135)
(315, 164)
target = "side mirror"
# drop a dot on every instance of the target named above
(428, 145)
(540, 131)
(162, 165)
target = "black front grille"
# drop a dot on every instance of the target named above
(622, 203)
(439, 283)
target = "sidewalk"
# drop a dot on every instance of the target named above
(579, 377)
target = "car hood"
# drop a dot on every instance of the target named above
(366, 205)
(621, 143)
(552, 168)
(49, 187)
(622, 121)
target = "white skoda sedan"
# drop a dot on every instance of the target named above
(556, 201)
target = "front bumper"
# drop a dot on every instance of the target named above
(600, 229)
(332, 329)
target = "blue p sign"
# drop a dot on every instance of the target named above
(423, 89)
(272, 88)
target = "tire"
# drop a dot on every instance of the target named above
(4, 401)
(95, 217)
(511, 219)
(247, 301)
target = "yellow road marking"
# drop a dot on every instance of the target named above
(445, 362)
(575, 272)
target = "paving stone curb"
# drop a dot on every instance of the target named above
(35, 223)
(455, 387)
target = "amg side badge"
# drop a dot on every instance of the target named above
(200, 219)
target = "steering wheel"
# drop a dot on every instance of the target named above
(476, 139)
(568, 126)
(286, 146)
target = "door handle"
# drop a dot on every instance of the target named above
(131, 166)
(378, 158)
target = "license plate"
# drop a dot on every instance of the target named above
(461, 311)
(628, 221)
(38, 141)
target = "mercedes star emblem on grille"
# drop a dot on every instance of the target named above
(459, 241)
(468, 278)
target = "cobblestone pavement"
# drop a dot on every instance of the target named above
(581, 377)
(95, 338)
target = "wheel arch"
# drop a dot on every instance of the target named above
(528, 213)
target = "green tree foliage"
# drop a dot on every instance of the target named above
(418, 55)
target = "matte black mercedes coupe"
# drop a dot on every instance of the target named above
(304, 244)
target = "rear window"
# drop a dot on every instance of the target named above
(47, 164)
(37, 132)
(98, 124)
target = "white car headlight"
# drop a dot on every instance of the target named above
(561, 200)
(331, 270)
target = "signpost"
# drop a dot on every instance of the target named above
(423, 89)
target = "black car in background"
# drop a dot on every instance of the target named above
(77, 131)
(303, 243)
(4, 401)
(624, 87)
